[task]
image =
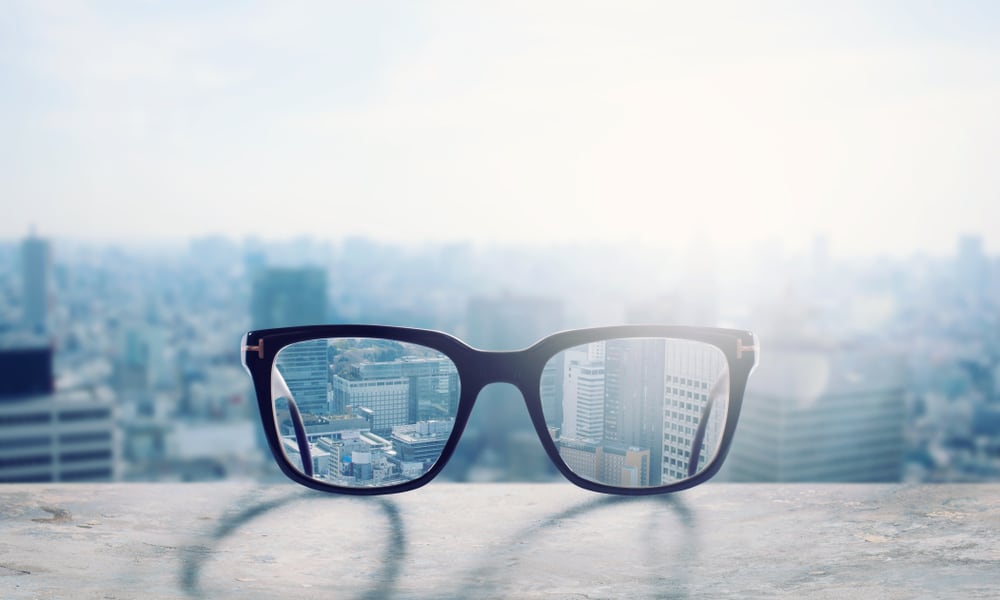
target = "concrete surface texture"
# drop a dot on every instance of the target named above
(447, 540)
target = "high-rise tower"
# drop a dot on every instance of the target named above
(35, 261)
(634, 396)
(825, 413)
(285, 297)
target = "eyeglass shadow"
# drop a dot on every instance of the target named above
(385, 580)
(482, 574)
(391, 569)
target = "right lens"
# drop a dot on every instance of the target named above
(637, 412)
(363, 412)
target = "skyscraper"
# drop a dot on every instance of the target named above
(824, 413)
(645, 401)
(305, 369)
(583, 393)
(35, 284)
(398, 392)
(285, 297)
(634, 396)
(691, 371)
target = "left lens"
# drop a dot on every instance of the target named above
(637, 412)
(363, 412)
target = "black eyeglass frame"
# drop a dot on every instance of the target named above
(479, 368)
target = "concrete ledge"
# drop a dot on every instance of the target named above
(449, 540)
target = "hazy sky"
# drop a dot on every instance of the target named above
(876, 123)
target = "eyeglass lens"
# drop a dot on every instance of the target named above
(639, 412)
(375, 412)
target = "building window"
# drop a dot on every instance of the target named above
(84, 415)
(25, 461)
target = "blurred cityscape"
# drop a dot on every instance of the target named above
(122, 362)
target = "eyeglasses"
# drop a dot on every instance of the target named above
(370, 409)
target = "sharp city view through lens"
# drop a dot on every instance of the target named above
(636, 412)
(175, 174)
(374, 412)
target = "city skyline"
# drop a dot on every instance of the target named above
(155, 333)
(871, 124)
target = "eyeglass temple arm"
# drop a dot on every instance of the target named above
(279, 388)
(699, 436)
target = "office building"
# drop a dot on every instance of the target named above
(649, 395)
(27, 366)
(583, 393)
(305, 369)
(52, 436)
(284, 297)
(421, 442)
(362, 460)
(822, 413)
(321, 458)
(330, 427)
(397, 392)
(66, 436)
(634, 396)
(691, 372)
(611, 463)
